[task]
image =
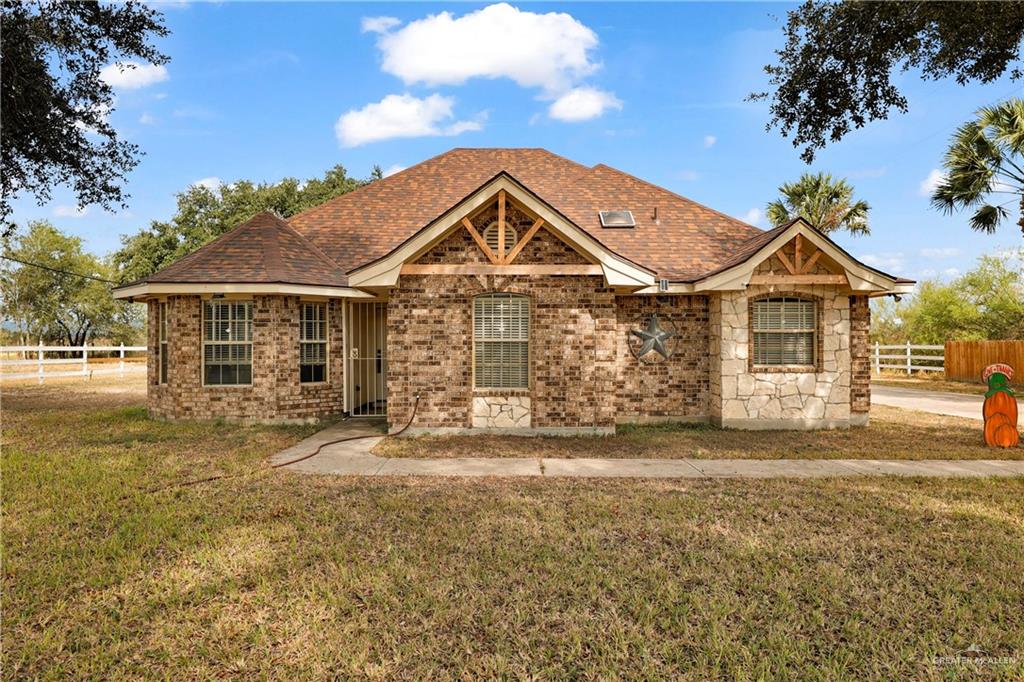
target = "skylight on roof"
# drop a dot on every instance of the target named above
(617, 219)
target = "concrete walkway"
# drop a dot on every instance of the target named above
(936, 402)
(353, 458)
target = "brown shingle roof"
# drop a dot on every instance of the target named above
(264, 249)
(687, 240)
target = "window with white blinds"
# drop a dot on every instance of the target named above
(227, 343)
(785, 331)
(313, 343)
(501, 341)
(490, 236)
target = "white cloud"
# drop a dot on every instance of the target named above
(930, 183)
(132, 75)
(379, 24)
(709, 141)
(147, 119)
(211, 183)
(927, 273)
(548, 51)
(889, 262)
(70, 212)
(951, 272)
(689, 175)
(753, 216)
(945, 252)
(583, 104)
(401, 116)
(392, 169)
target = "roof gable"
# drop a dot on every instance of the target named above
(384, 272)
(674, 237)
(739, 270)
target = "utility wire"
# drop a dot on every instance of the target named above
(59, 271)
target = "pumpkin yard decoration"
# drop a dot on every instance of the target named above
(1000, 408)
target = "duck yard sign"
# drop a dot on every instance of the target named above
(1000, 408)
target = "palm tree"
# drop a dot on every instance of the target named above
(823, 201)
(984, 158)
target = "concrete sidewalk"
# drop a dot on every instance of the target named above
(353, 458)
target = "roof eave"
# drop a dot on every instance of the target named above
(862, 277)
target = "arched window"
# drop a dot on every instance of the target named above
(501, 341)
(785, 330)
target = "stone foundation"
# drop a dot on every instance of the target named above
(501, 412)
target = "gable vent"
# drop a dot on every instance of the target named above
(617, 219)
(490, 236)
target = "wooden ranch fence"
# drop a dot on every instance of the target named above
(966, 359)
(21, 357)
(908, 357)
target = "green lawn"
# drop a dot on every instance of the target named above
(892, 434)
(286, 576)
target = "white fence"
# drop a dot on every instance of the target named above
(40, 361)
(908, 358)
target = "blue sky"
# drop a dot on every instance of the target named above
(263, 91)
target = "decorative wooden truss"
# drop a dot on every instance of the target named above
(798, 269)
(501, 258)
(501, 262)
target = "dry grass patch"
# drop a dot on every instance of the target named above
(894, 433)
(929, 381)
(285, 576)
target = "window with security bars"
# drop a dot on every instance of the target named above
(785, 331)
(227, 343)
(161, 348)
(501, 341)
(313, 343)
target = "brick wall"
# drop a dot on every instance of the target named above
(677, 387)
(275, 394)
(860, 357)
(582, 373)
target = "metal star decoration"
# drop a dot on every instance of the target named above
(652, 338)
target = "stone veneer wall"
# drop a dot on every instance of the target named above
(275, 394)
(746, 397)
(860, 351)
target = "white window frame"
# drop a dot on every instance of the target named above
(246, 332)
(493, 327)
(773, 321)
(323, 324)
(162, 360)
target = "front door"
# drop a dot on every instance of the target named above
(367, 359)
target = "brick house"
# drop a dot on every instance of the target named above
(513, 289)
